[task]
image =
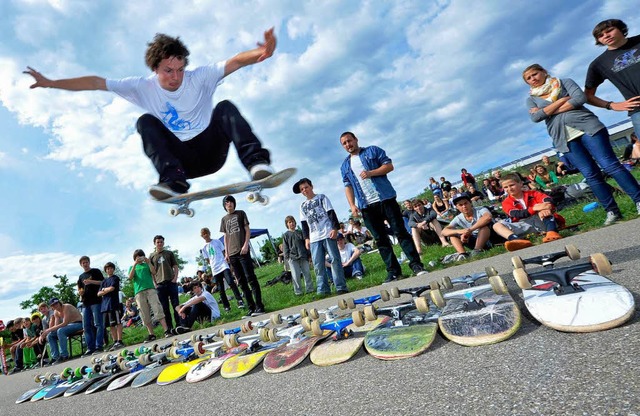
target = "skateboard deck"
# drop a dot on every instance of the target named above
(338, 351)
(290, 355)
(252, 187)
(176, 372)
(205, 369)
(85, 384)
(239, 365)
(123, 380)
(394, 340)
(477, 316)
(102, 383)
(601, 305)
(148, 375)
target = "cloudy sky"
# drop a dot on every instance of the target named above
(435, 83)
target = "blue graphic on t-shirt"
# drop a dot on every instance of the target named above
(170, 119)
(625, 60)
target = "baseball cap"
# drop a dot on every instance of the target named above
(53, 301)
(459, 197)
(296, 186)
(340, 236)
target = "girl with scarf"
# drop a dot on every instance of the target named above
(578, 134)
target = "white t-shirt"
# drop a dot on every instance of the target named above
(367, 186)
(213, 252)
(186, 111)
(314, 212)
(209, 300)
(347, 252)
(461, 222)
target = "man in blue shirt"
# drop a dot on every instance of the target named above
(368, 190)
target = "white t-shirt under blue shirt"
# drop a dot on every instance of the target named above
(187, 111)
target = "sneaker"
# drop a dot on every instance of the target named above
(88, 353)
(358, 275)
(97, 350)
(260, 171)
(390, 278)
(167, 333)
(612, 218)
(258, 311)
(60, 360)
(227, 308)
(240, 304)
(166, 190)
(475, 252)
(462, 256)
(150, 338)
(418, 270)
(15, 370)
(179, 330)
(116, 345)
(551, 236)
(342, 292)
(518, 244)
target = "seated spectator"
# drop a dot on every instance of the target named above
(28, 354)
(131, 315)
(496, 189)
(632, 151)
(348, 234)
(425, 226)
(440, 206)
(529, 212)
(445, 185)
(434, 187)
(546, 179)
(66, 320)
(360, 233)
(497, 174)
(350, 259)
(37, 328)
(475, 195)
(201, 307)
(470, 228)
(486, 189)
(17, 336)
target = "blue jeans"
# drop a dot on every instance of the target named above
(353, 268)
(319, 249)
(168, 296)
(93, 325)
(635, 120)
(58, 340)
(586, 153)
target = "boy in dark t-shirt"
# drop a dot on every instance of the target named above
(110, 307)
(92, 322)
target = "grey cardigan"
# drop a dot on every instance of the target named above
(579, 118)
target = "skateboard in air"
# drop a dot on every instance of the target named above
(576, 297)
(253, 189)
(476, 314)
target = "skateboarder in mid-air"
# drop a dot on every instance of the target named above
(182, 133)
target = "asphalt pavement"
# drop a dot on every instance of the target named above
(539, 371)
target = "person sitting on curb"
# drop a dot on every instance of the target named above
(201, 307)
(350, 259)
(470, 228)
(529, 212)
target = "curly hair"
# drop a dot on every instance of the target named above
(163, 47)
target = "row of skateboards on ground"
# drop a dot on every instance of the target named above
(573, 297)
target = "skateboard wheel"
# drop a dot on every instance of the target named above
(601, 264)
(315, 328)
(230, 340)
(97, 368)
(95, 360)
(437, 298)
(120, 360)
(446, 282)
(522, 278)
(190, 212)
(198, 348)
(66, 373)
(351, 304)
(313, 313)
(342, 304)
(422, 305)
(50, 376)
(38, 378)
(395, 292)
(155, 348)
(498, 286)
(384, 295)
(173, 212)
(144, 359)
(123, 365)
(273, 335)
(124, 353)
(175, 342)
(434, 285)
(195, 338)
(276, 319)
(304, 313)
(572, 252)
(517, 262)
(370, 313)
(490, 271)
(358, 318)
(306, 323)
(106, 358)
(252, 197)
(264, 200)
(173, 353)
(264, 334)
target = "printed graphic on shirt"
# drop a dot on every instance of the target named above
(626, 60)
(232, 225)
(171, 119)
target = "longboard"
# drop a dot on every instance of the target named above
(336, 351)
(252, 187)
(290, 355)
(408, 335)
(205, 369)
(477, 315)
(577, 297)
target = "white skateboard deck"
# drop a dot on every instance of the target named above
(602, 305)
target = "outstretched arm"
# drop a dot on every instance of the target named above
(87, 83)
(253, 56)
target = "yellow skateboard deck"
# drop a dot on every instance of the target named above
(338, 351)
(177, 372)
(240, 365)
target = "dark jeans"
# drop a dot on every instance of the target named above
(374, 216)
(198, 312)
(220, 278)
(168, 296)
(207, 152)
(242, 266)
